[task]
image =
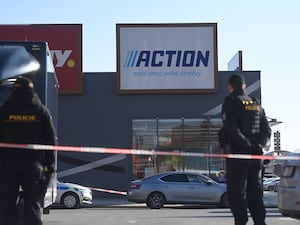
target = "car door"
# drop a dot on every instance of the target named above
(189, 188)
(177, 188)
(202, 189)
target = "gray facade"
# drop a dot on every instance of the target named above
(102, 118)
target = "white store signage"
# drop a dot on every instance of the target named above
(166, 58)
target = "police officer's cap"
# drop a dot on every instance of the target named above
(23, 83)
(236, 79)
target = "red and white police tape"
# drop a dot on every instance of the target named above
(143, 152)
(109, 191)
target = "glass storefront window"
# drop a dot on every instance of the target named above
(190, 135)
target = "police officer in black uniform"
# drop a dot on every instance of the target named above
(24, 119)
(247, 132)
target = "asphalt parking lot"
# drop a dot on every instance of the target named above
(270, 200)
(117, 210)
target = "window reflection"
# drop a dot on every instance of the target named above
(190, 135)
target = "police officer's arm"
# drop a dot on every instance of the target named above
(49, 138)
(265, 130)
(230, 112)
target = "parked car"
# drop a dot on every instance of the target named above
(73, 195)
(271, 184)
(177, 188)
(289, 188)
(268, 176)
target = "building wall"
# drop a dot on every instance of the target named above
(101, 118)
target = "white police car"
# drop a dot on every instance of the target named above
(73, 195)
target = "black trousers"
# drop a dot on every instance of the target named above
(28, 175)
(245, 191)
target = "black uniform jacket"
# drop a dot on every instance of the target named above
(245, 123)
(25, 120)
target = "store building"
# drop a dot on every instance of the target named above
(166, 95)
(102, 118)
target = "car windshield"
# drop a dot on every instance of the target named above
(16, 61)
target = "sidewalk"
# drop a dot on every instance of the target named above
(270, 200)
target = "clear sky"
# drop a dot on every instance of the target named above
(268, 33)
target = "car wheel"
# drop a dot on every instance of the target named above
(270, 188)
(155, 200)
(70, 200)
(224, 201)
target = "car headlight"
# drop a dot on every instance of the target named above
(85, 191)
(288, 171)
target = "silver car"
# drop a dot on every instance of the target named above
(271, 184)
(73, 195)
(289, 188)
(177, 188)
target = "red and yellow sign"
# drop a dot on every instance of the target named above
(65, 43)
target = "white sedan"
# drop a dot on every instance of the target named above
(72, 195)
(271, 184)
(177, 188)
